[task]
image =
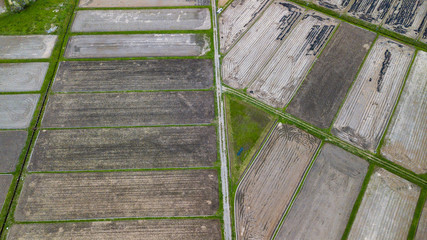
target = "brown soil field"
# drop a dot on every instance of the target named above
(324, 205)
(11, 145)
(124, 148)
(129, 109)
(265, 191)
(171, 229)
(5, 181)
(163, 74)
(283, 74)
(387, 208)
(373, 11)
(369, 104)
(237, 19)
(250, 54)
(67, 196)
(406, 139)
(322, 92)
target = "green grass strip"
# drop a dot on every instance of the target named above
(417, 214)
(359, 199)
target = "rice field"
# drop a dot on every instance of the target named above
(139, 3)
(11, 145)
(247, 58)
(153, 229)
(280, 78)
(324, 205)
(268, 186)
(27, 47)
(22, 77)
(95, 195)
(337, 5)
(237, 19)
(17, 110)
(142, 20)
(372, 11)
(407, 17)
(387, 208)
(369, 104)
(137, 45)
(406, 140)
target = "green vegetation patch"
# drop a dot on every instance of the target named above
(247, 127)
(41, 17)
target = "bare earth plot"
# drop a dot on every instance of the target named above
(387, 208)
(406, 140)
(250, 54)
(11, 146)
(118, 194)
(129, 109)
(137, 45)
(143, 3)
(21, 77)
(266, 189)
(372, 11)
(134, 75)
(422, 225)
(124, 148)
(16, 111)
(407, 17)
(5, 181)
(171, 229)
(324, 205)
(26, 47)
(367, 109)
(324, 89)
(282, 75)
(237, 19)
(337, 5)
(424, 36)
(142, 20)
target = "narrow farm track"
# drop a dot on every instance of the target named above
(404, 173)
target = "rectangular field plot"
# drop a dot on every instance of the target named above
(268, 186)
(124, 148)
(280, 78)
(165, 74)
(5, 181)
(11, 145)
(387, 208)
(407, 17)
(137, 45)
(129, 109)
(21, 77)
(372, 11)
(142, 20)
(324, 205)
(118, 195)
(336, 5)
(16, 111)
(153, 229)
(237, 19)
(244, 61)
(370, 102)
(324, 89)
(26, 47)
(422, 225)
(143, 3)
(406, 139)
